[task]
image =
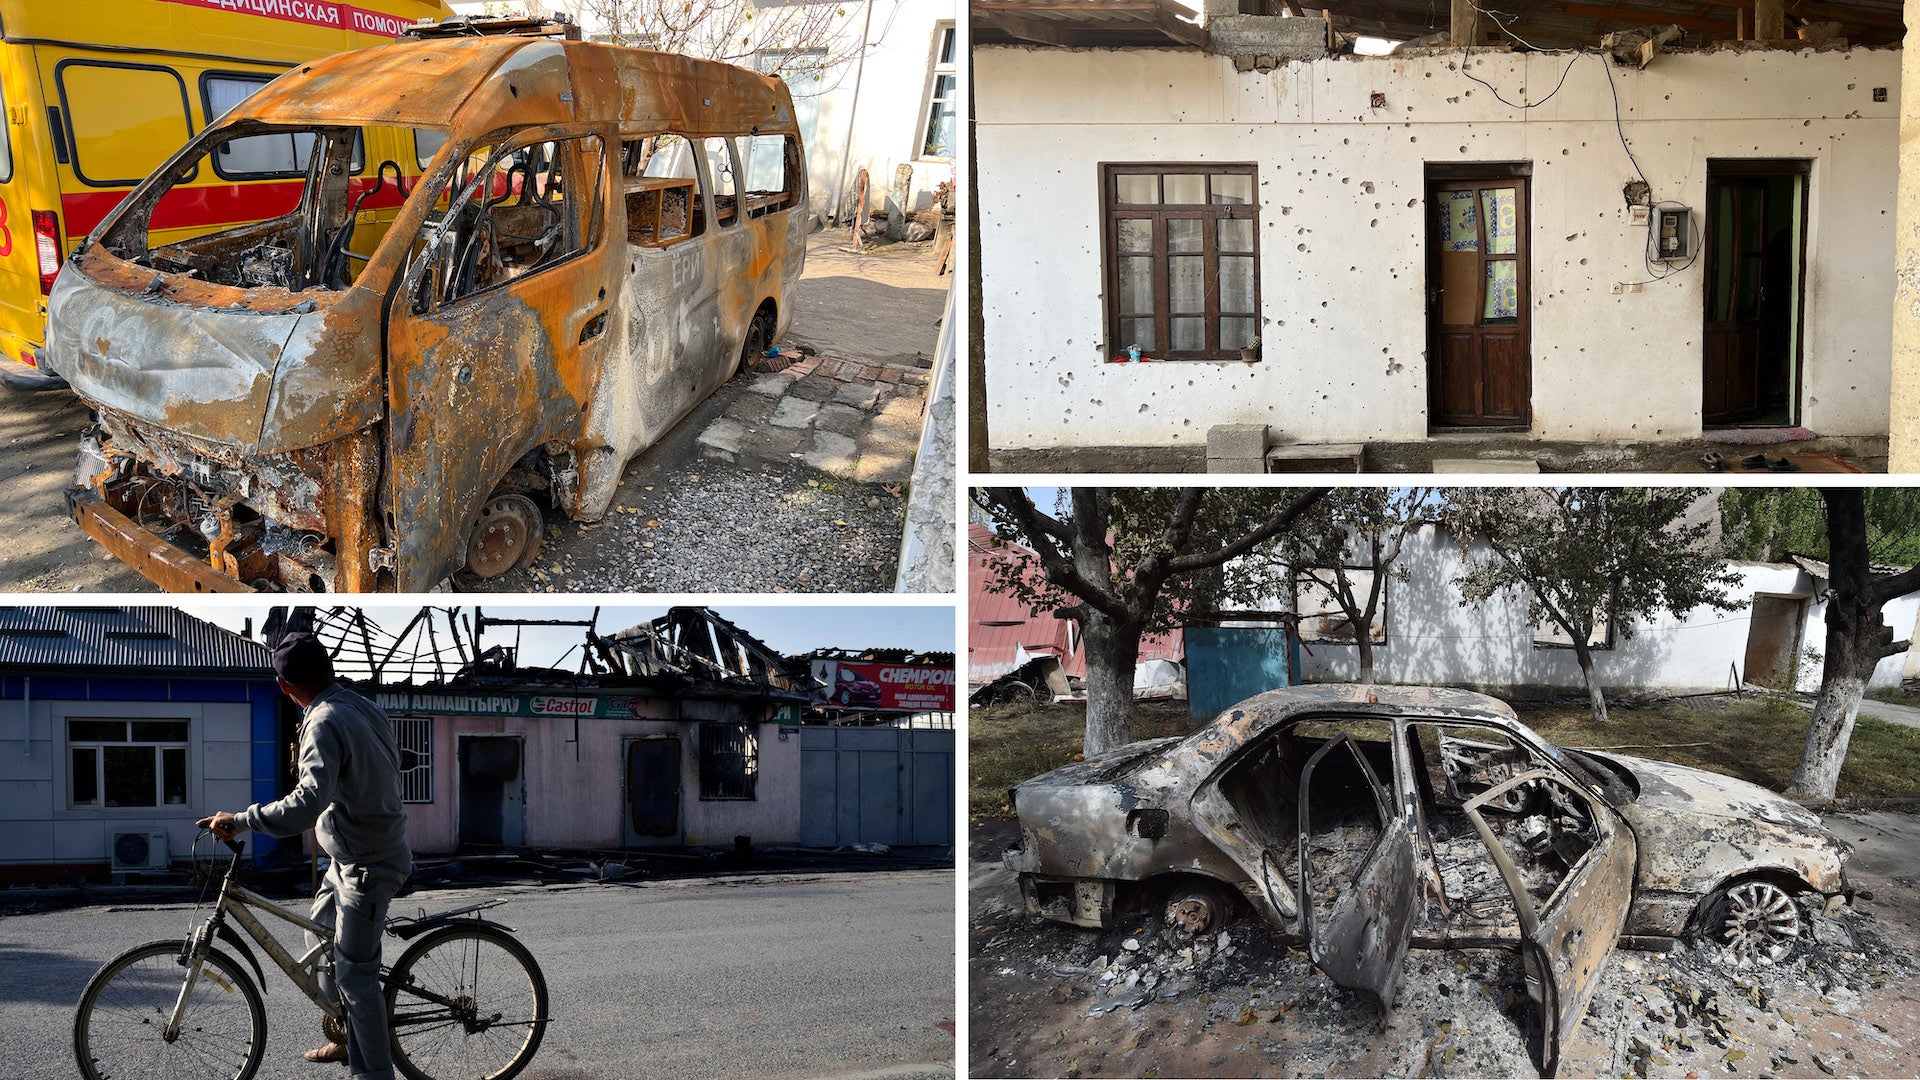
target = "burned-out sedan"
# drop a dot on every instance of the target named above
(1367, 819)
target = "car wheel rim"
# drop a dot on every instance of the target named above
(1762, 923)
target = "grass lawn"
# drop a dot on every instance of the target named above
(1754, 739)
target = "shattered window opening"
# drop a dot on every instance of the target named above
(722, 168)
(414, 734)
(276, 155)
(664, 194)
(517, 213)
(1182, 268)
(729, 761)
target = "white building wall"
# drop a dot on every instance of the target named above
(1431, 639)
(1343, 224)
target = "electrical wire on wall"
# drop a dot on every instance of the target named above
(1655, 274)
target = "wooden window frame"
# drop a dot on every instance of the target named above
(1112, 212)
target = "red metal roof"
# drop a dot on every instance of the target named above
(1003, 634)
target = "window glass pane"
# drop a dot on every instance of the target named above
(6, 143)
(159, 731)
(1458, 223)
(173, 776)
(427, 143)
(131, 778)
(1136, 285)
(1133, 189)
(125, 120)
(1501, 221)
(1234, 189)
(940, 119)
(946, 47)
(255, 154)
(1189, 335)
(1184, 234)
(1235, 234)
(1186, 187)
(1135, 234)
(1503, 291)
(1236, 283)
(96, 731)
(86, 777)
(1137, 332)
(1186, 284)
(1236, 333)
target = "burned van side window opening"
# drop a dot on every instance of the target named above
(659, 180)
(1182, 259)
(282, 154)
(729, 761)
(769, 164)
(722, 170)
(517, 210)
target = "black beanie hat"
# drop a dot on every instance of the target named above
(300, 659)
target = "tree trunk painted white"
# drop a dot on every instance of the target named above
(1818, 774)
(1596, 700)
(1113, 650)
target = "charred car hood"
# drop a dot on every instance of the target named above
(261, 381)
(1666, 788)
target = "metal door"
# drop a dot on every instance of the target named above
(876, 786)
(1360, 939)
(1480, 369)
(492, 791)
(652, 792)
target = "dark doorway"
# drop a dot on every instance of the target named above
(653, 792)
(1755, 240)
(1479, 367)
(492, 791)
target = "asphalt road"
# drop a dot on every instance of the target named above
(832, 975)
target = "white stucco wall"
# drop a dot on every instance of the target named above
(1343, 222)
(1431, 639)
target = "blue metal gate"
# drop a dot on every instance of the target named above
(1229, 664)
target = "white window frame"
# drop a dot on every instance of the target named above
(945, 43)
(158, 749)
(415, 733)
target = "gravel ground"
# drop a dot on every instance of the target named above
(727, 528)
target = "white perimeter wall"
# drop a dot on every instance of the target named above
(1342, 239)
(1431, 639)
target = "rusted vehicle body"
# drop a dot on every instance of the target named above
(1365, 820)
(604, 237)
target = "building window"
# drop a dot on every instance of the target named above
(729, 761)
(120, 763)
(1548, 635)
(942, 94)
(415, 735)
(1183, 254)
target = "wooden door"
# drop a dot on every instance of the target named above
(1736, 296)
(1480, 369)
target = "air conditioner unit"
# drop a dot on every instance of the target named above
(138, 849)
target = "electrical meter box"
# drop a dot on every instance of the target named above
(1672, 232)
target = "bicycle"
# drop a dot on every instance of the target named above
(139, 1017)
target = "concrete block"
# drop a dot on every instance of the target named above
(1485, 465)
(1272, 38)
(858, 395)
(771, 385)
(1236, 464)
(831, 453)
(793, 412)
(1237, 441)
(722, 439)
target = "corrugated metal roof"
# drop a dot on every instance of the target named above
(137, 638)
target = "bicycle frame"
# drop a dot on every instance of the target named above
(235, 900)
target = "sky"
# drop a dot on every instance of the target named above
(788, 628)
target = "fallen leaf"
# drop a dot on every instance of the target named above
(1735, 1055)
(1245, 1018)
(653, 523)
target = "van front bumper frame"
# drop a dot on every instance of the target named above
(158, 561)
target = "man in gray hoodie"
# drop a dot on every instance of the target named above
(349, 793)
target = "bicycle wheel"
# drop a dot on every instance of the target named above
(117, 1027)
(466, 1003)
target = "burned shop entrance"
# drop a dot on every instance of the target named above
(1755, 256)
(1480, 371)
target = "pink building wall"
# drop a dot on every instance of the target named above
(579, 800)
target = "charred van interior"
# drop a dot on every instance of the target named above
(309, 236)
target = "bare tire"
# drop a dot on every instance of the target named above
(758, 340)
(465, 1003)
(1756, 921)
(118, 1026)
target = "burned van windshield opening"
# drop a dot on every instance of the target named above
(302, 209)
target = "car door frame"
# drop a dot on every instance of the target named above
(1565, 941)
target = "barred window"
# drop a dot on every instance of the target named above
(729, 761)
(415, 736)
(1183, 262)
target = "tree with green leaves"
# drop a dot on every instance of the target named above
(1767, 524)
(1365, 529)
(1858, 637)
(1583, 555)
(1123, 562)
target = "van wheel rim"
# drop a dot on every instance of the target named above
(1761, 924)
(506, 534)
